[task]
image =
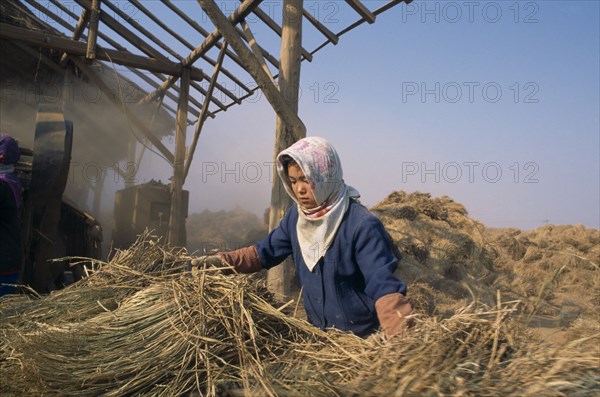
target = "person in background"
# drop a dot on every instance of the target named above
(10, 224)
(342, 253)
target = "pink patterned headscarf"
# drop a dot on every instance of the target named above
(321, 166)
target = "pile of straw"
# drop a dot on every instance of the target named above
(143, 325)
(441, 246)
(454, 260)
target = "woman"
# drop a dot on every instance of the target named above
(10, 225)
(343, 255)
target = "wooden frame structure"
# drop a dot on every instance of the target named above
(105, 31)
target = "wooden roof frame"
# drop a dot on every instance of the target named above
(164, 72)
(150, 62)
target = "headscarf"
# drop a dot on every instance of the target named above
(321, 166)
(9, 155)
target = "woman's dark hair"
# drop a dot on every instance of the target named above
(287, 161)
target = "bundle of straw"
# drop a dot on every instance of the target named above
(142, 325)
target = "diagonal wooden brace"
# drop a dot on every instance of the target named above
(253, 66)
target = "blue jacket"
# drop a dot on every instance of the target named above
(356, 270)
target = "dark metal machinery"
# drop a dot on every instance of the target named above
(52, 228)
(142, 207)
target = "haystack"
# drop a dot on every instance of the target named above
(143, 324)
(444, 252)
(554, 271)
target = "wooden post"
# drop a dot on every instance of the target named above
(77, 32)
(280, 278)
(175, 221)
(93, 31)
(263, 16)
(204, 112)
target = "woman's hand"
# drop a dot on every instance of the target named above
(207, 261)
(243, 260)
(393, 311)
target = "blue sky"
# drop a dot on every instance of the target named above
(495, 104)
(501, 116)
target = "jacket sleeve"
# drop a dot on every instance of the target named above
(376, 260)
(243, 260)
(273, 249)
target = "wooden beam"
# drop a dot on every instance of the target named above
(160, 90)
(77, 32)
(46, 12)
(212, 39)
(256, 49)
(264, 53)
(196, 74)
(123, 16)
(186, 43)
(362, 10)
(169, 94)
(175, 237)
(268, 56)
(123, 31)
(280, 278)
(73, 47)
(383, 8)
(321, 28)
(203, 114)
(252, 66)
(93, 30)
(165, 47)
(66, 11)
(277, 29)
(202, 31)
(135, 121)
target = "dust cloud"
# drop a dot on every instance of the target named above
(101, 159)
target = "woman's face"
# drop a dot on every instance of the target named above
(301, 187)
